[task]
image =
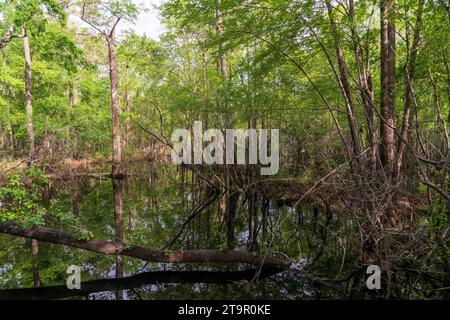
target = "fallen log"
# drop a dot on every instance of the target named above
(113, 248)
(99, 176)
(136, 281)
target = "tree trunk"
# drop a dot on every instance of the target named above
(223, 64)
(75, 207)
(114, 248)
(344, 84)
(113, 74)
(365, 89)
(73, 98)
(35, 263)
(127, 123)
(117, 153)
(10, 137)
(30, 133)
(28, 95)
(387, 99)
(119, 233)
(230, 216)
(205, 85)
(409, 93)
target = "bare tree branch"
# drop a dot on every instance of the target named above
(83, 17)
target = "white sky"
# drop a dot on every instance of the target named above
(148, 23)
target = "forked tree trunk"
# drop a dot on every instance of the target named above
(365, 89)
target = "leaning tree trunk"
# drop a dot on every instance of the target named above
(116, 248)
(344, 84)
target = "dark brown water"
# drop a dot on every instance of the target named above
(157, 202)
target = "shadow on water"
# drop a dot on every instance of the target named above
(137, 281)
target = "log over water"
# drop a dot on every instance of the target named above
(113, 248)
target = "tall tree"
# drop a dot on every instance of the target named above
(387, 78)
(365, 86)
(28, 95)
(344, 83)
(24, 16)
(222, 64)
(409, 91)
(104, 16)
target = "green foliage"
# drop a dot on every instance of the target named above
(282, 72)
(222, 246)
(84, 235)
(22, 202)
(438, 219)
(437, 222)
(57, 45)
(103, 13)
(31, 14)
